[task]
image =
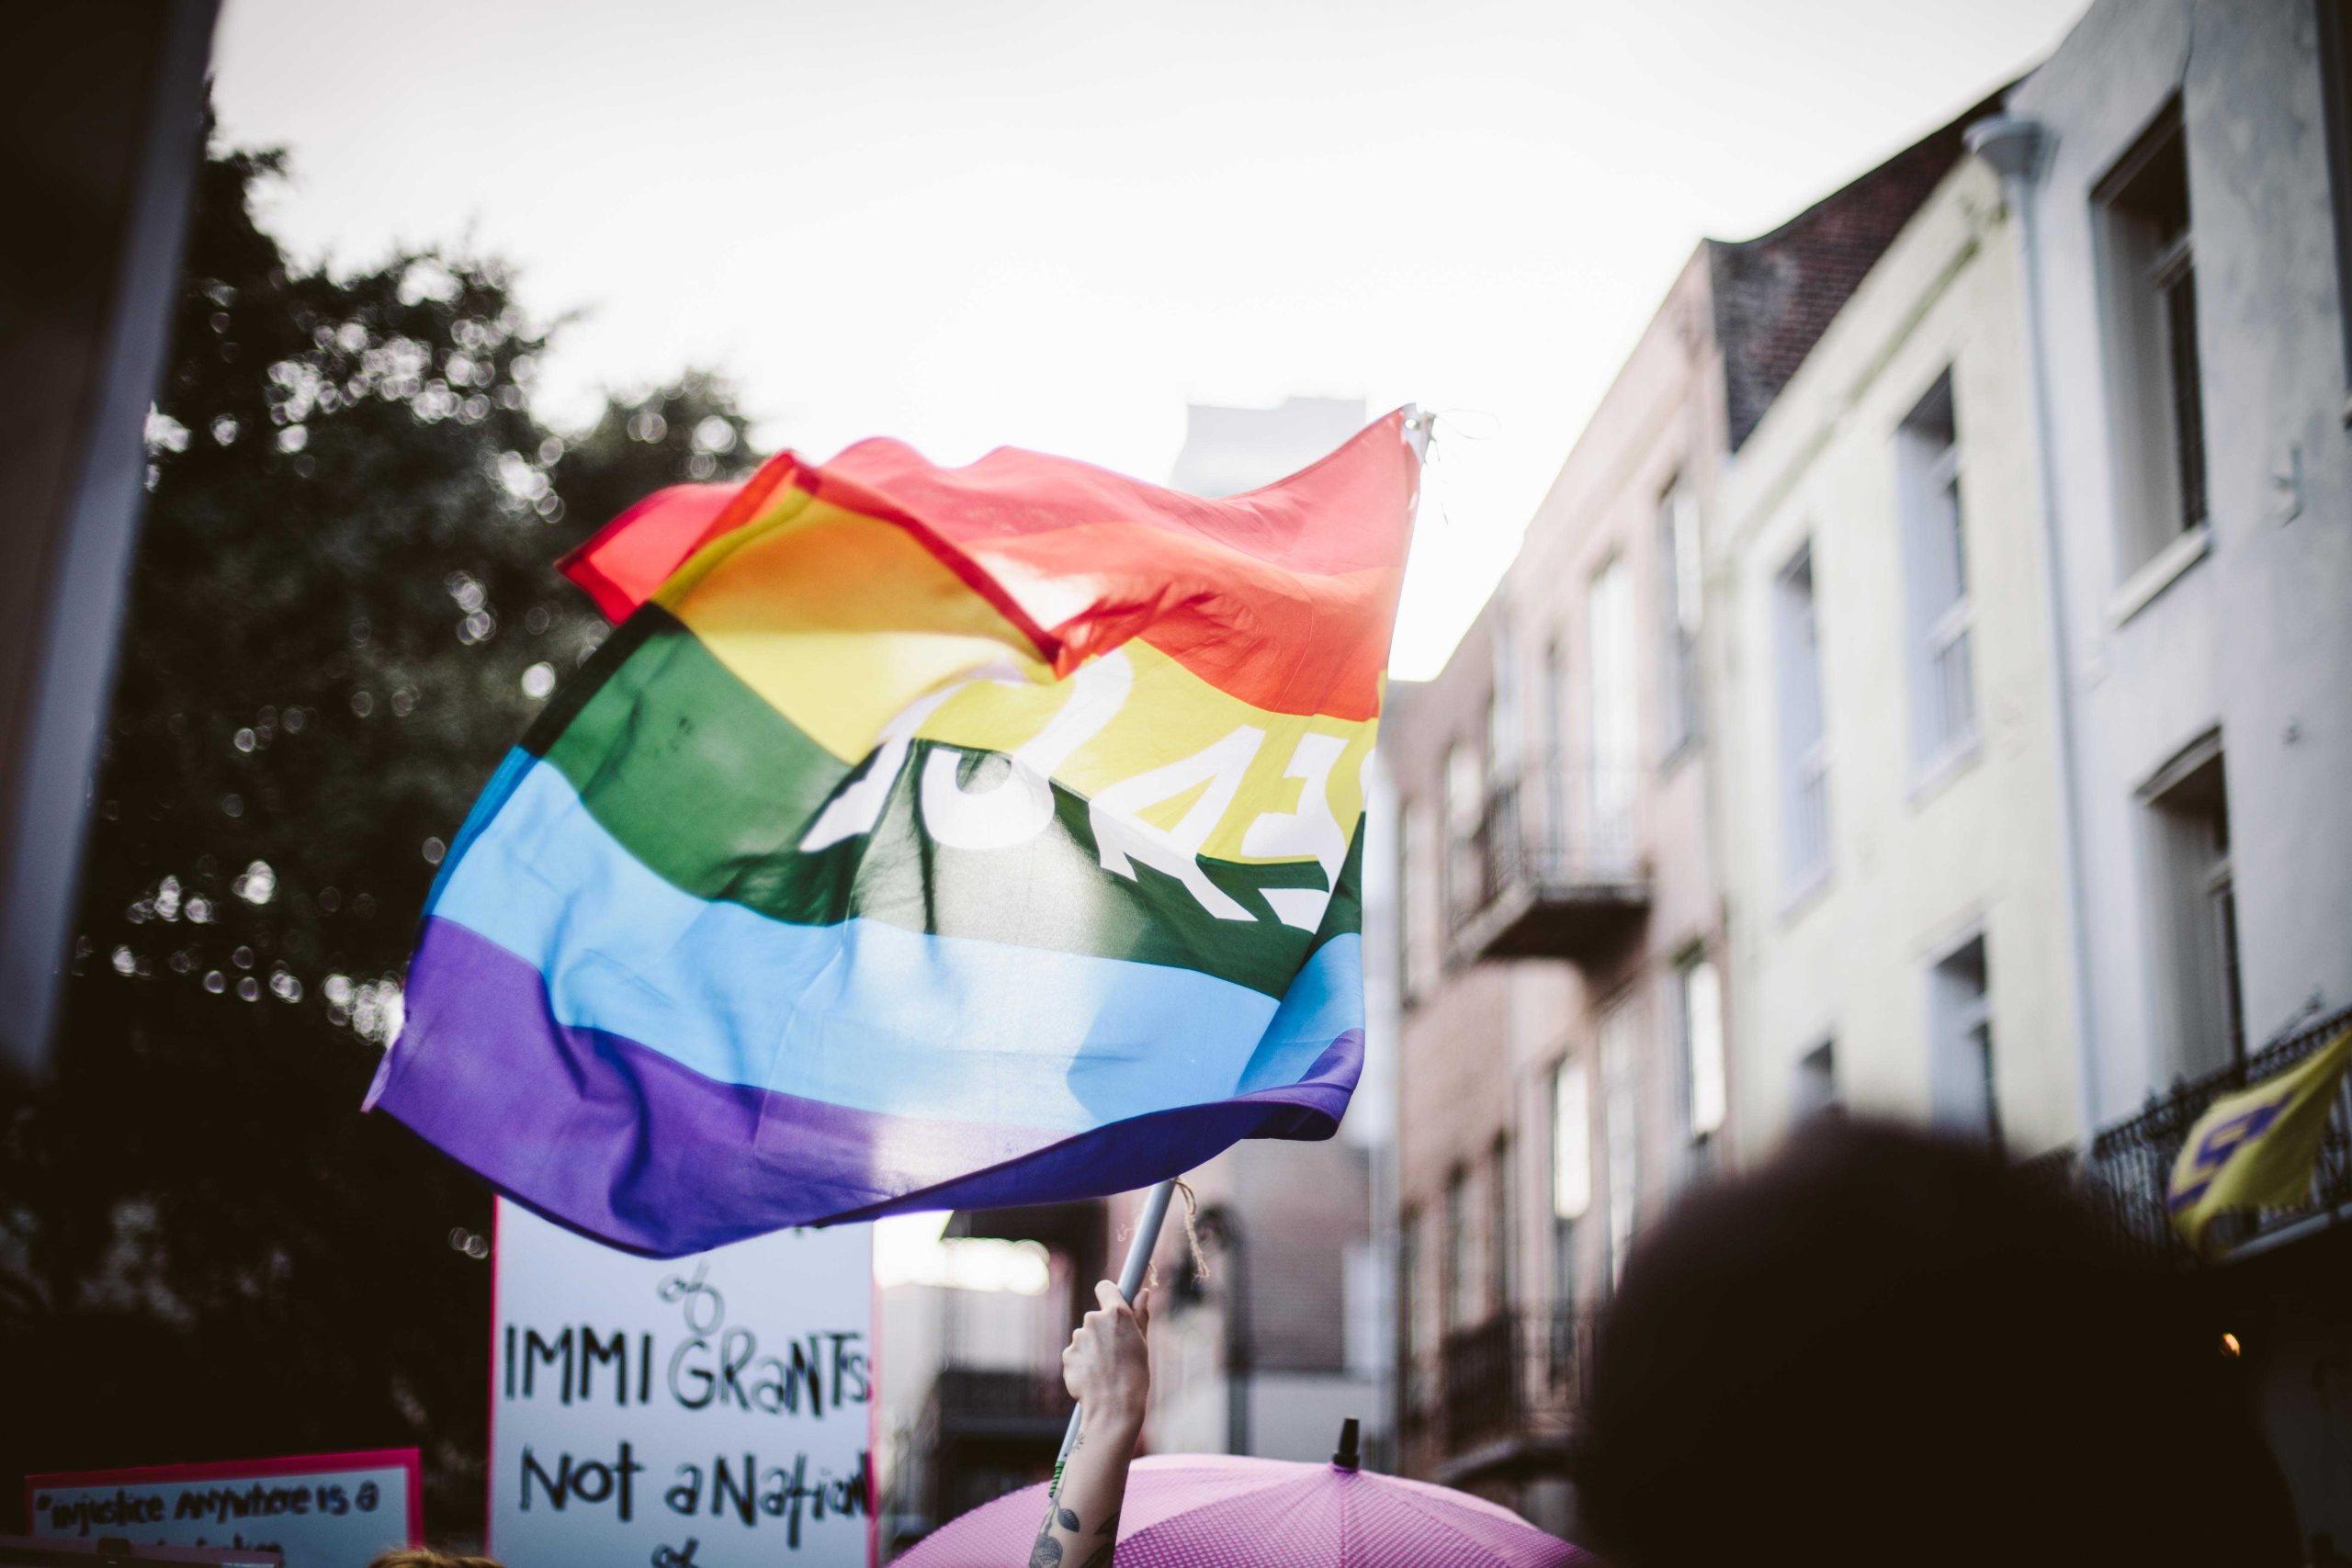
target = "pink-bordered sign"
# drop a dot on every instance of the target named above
(361, 1466)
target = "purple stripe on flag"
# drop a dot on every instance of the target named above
(615, 1138)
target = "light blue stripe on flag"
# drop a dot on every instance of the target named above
(866, 1014)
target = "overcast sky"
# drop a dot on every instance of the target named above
(1050, 224)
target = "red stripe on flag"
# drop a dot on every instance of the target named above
(1283, 596)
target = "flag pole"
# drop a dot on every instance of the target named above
(1131, 1276)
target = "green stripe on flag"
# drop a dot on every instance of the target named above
(708, 786)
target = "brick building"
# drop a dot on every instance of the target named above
(1564, 1066)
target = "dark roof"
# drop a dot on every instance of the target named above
(1775, 295)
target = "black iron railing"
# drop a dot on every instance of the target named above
(1480, 1381)
(1567, 1354)
(993, 1394)
(2131, 1163)
(1547, 834)
(1520, 1373)
(1416, 1395)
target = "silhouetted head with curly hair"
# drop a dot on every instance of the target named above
(1884, 1348)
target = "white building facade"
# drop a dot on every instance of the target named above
(2193, 326)
(1891, 839)
(2187, 167)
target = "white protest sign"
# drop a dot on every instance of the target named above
(706, 1411)
(319, 1510)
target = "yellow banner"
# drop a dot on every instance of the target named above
(2254, 1149)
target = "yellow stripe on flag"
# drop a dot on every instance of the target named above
(793, 603)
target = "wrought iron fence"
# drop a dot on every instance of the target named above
(1480, 1381)
(1522, 1374)
(2131, 1163)
(1550, 823)
(1000, 1395)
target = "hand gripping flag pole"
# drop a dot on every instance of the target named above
(1139, 1250)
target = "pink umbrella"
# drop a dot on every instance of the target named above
(1219, 1511)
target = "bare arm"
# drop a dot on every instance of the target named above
(1108, 1371)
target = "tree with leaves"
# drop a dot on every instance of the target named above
(342, 615)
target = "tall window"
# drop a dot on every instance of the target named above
(1960, 1007)
(1553, 762)
(1699, 1023)
(2197, 913)
(1501, 839)
(1620, 1088)
(1571, 1170)
(1424, 901)
(1815, 1090)
(1502, 709)
(2335, 82)
(1465, 777)
(1460, 1250)
(1934, 563)
(1408, 1296)
(2151, 287)
(1611, 715)
(1804, 750)
(1678, 606)
(1501, 1217)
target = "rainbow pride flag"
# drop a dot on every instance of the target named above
(921, 838)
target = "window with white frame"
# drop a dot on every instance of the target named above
(1699, 1023)
(2195, 917)
(1612, 765)
(1960, 1034)
(1461, 1263)
(1803, 741)
(1424, 901)
(1679, 608)
(1622, 1127)
(1571, 1169)
(1935, 572)
(2150, 285)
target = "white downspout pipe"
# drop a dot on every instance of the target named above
(2017, 148)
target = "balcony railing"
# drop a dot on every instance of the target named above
(1553, 868)
(1480, 1381)
(2131, 1163)
(1514, 1381)
(1006, 1402)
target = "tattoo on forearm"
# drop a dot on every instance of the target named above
(1047, 1551)
(1102, 1558)
(1111, 1525)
